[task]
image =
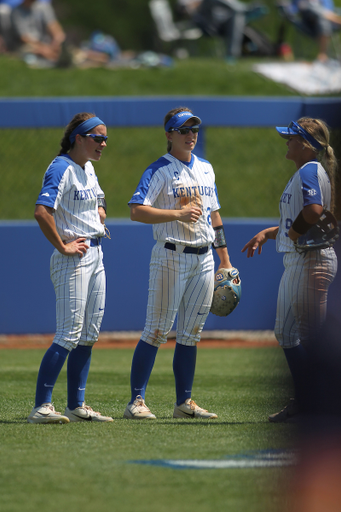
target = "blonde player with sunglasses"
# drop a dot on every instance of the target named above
(177, 194)
(70, 211)
(303, 290)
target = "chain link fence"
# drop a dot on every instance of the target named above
(250, 166)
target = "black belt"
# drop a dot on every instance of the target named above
(188, 250)
(94, 242)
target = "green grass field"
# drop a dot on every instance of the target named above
(83, 466)
(194, 76)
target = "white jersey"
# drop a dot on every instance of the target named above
(309, 185)
(72, 192)
(172, 184)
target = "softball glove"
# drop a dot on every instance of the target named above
(321, 235)
(227, 291)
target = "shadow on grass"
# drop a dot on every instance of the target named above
(189, 422)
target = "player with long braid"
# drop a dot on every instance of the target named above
(303, 290)
(177, 194)
(71, 210)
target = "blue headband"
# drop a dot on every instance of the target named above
(85, 127)
(296, 129)
(179, 119)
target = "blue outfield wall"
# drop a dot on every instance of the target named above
(27, 297)
(150, 111)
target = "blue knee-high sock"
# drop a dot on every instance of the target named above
(297, 362)
(78, 367)
(184, 368)
(141, 368)
(49, 370)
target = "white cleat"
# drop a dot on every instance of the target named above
(46, 413)
(138, 410)
(85, 413)
(289, 414)
(189, 409)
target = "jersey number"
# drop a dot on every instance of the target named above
(209, 222)
(288, 224)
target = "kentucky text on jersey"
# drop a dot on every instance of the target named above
(170, 183)
(191, 191)
(81, 195)
(286, 198)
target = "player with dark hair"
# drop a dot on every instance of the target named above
(302, 295)
(71, 211)
(177, 194)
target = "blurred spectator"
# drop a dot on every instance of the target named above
(30, 29)
(6, 7)
(227, 19)
(317, 18)
(36, 31)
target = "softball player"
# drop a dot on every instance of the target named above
(302, 295)
(71, 210)
(177, 194)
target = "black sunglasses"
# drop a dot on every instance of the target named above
(186, 129)
(97, 138)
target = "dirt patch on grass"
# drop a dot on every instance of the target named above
(122, 340)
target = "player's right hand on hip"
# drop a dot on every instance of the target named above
(76, 247)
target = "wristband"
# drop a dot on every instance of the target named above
(102, 203)
(300, 225)
(220, 240)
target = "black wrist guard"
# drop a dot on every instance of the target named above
(220, 240)
(300, 225)
(102, 203)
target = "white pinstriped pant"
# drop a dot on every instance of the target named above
(80, 288)
(302, 295)
(179, 284)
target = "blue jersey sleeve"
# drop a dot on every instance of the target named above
(51, 181)
(143, 186)
(310, 184)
